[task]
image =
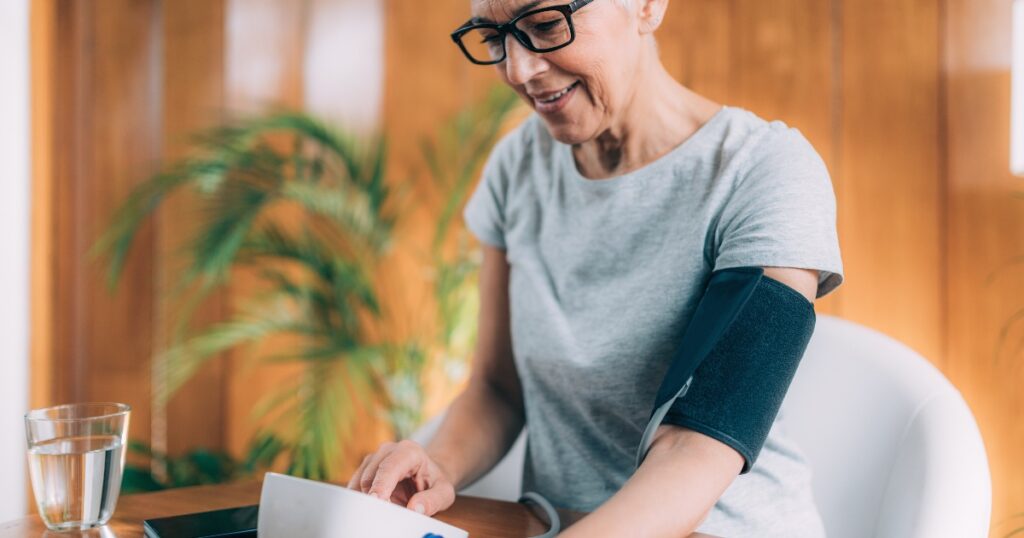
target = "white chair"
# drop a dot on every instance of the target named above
(894, 449)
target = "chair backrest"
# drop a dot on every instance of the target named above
(894, 449)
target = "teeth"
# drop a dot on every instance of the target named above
(557, 96)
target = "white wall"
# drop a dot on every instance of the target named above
(344, 63)
(14, 253)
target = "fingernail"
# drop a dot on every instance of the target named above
(418, 508)
(374, 495)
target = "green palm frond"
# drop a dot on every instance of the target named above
(375, 184)
(116, 242)
(277, 402)
(351, 209)
(315, 267)
(348, 283)
(403, 408)
(1011, 263)
(181, 362)
(317, 305)
(231, 215)
(319, 275)
(454, 161)
(196, 467)
(1004, 335)
(462, 145)
(320, 403)
(263, 451)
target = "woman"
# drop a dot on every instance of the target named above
(602, 217)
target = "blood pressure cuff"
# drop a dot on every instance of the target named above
(735, 361)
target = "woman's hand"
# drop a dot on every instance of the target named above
(404, 473)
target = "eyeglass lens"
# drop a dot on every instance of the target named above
(541, 31)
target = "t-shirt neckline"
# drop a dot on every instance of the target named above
(569, 162)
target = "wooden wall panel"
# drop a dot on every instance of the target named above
(67, 90)
(775, 59)
(264, 47)
(193, 98)
(695, 43)
(419, 54)
(782, 66)
(106, 127)
(782, 69)
(99, 128)
(985, 234)
(891, 216)
(42, 284)
(43, 67)
(123, 149)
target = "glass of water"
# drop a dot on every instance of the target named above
(75, 458)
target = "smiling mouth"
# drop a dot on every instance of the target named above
(559, 95)
(555, 102)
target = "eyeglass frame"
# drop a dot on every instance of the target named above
(567, 10)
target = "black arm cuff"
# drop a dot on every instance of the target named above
(738, 388)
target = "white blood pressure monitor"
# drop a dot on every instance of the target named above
(291, 507)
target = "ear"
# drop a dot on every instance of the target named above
(650, 14)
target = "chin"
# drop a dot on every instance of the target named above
(568, 133)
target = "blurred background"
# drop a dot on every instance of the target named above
(236, 123)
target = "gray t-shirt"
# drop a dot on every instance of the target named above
(605, 275)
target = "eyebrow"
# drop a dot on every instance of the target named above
(519, 11)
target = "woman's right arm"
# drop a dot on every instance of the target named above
(481, 424)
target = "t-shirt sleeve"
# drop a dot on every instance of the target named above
(782, 212)
(485, 211)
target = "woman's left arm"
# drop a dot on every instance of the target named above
(681, 478)
(684, 473)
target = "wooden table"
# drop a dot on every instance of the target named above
(483, 518)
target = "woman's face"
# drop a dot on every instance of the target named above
(581, 89)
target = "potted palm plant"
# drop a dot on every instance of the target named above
(309, 211)
(315, 265)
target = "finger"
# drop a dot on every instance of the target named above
(403, 492)
(401, 463)
(370, 471)
(433, 500)
(353, 483)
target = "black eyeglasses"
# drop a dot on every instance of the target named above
(540, 30)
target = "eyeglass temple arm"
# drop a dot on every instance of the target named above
(578, 4)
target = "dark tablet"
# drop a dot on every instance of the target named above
(233, 522)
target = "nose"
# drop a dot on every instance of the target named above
(521, 64)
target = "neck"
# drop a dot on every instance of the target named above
(658, 116)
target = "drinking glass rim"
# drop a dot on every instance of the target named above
(122, 409)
